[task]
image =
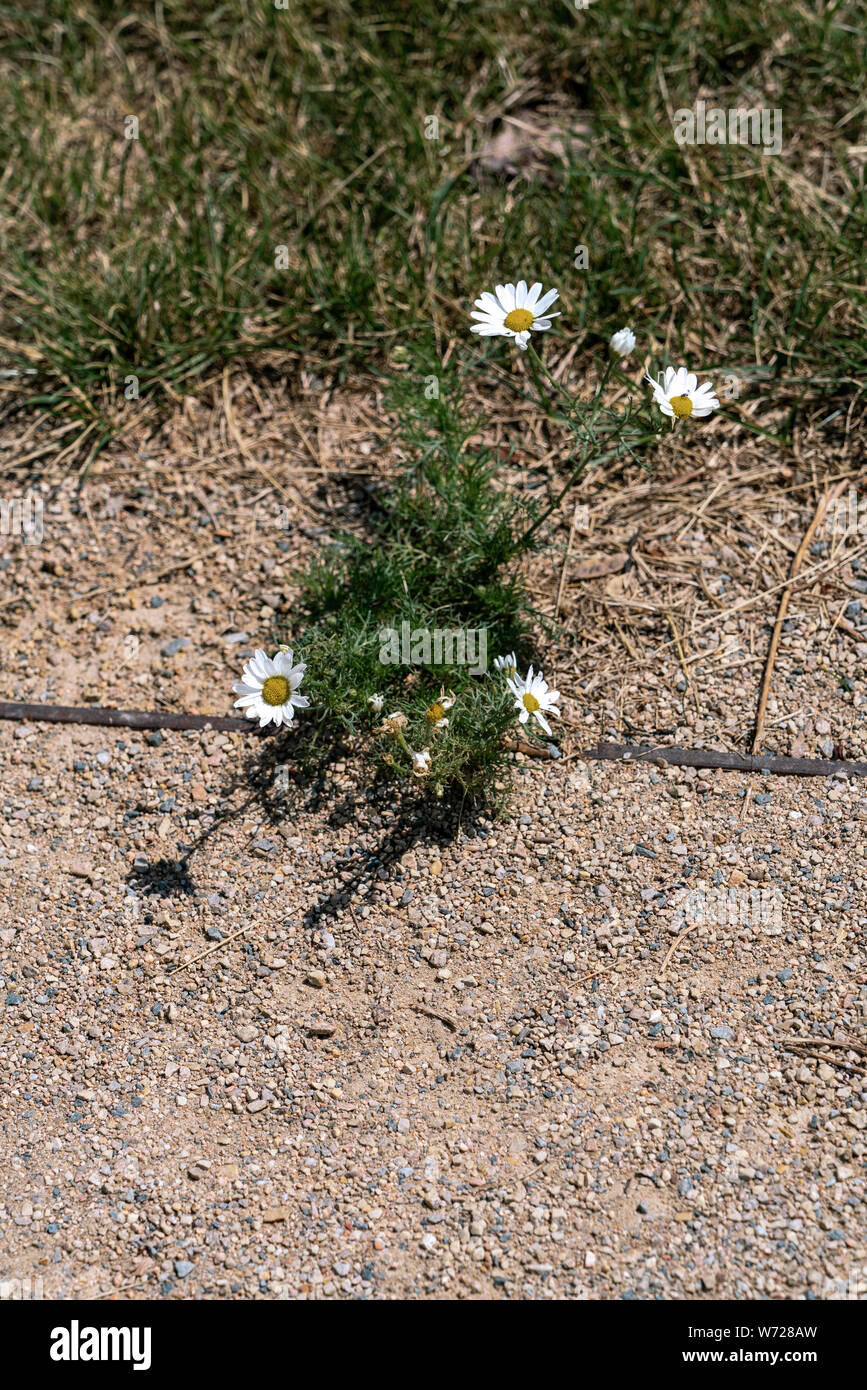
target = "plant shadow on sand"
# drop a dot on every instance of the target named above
(279, 789)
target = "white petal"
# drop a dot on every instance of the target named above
(533, 294)
(546, 301)
(506, 296)
(261, 667)
(522, 339)
(670, 374)
(678, 385)
(545, 725)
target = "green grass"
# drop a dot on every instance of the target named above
(304, 128)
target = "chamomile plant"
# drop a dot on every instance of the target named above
(413, 639)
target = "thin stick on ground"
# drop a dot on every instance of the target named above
(602, 970)
(433, 1013)
(566, 558)
(122, 718)
(682, 656)
(784, 605)
(850, 1044)
(674, 945)
(176, 970)
(827, 1057)
(714, 758)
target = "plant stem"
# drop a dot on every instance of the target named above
(544, 397)
(523, 541)
(536, 361)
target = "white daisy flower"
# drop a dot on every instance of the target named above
(532, 696)
(507, 664)
(679, 395)
(375, 703)
(436, 714)
(268, 688)
(514, 312)
(421, 763)
(622, 342)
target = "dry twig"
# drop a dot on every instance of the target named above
(433, 1013)
(783, 608)
(176, 969)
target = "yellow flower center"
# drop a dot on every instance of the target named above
(519, 320)
(682, 406)
(435, 714)
(531, 704)
(276, 690)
